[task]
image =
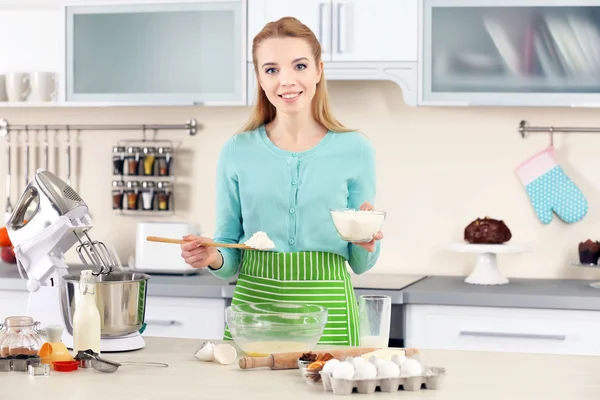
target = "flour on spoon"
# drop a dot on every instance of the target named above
(260, 241)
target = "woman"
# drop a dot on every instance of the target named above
(291, 164)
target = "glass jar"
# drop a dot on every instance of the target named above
(149, 159)
(164, 159)
(21, 337)
(133, 160)
(118, 160)
(164, 196)
(132, 195)
(147, 194)
(117, 195)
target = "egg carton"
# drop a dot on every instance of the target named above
(432, 379)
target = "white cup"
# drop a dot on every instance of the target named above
(43, 87)
(17, 86)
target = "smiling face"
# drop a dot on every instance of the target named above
(288, 73)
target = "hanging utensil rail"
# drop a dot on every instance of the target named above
(191, 126)
(525, 129)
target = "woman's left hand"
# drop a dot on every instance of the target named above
(369, 246)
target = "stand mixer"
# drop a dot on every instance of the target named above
(47, 221)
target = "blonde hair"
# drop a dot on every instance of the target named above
(264, 111)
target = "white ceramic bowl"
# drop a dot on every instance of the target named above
(357, 225)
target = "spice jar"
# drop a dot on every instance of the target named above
(148, 195)
(21, 337)
(132, 195)
(133, 160)
(118, 160)
(149, 159)
(164, 195)
(117, 195)
(164, 159)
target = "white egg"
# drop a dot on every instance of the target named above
(343, 370)
(330, 366)
(365, 370)
(388, 369)
(398, 359)
(349, 360)
(411, 367)
(206, 352)
(358, 360)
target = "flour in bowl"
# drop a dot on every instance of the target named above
(260, 241)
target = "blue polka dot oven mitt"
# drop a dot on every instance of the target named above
(550, 189)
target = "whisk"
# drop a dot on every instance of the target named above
(95, 254)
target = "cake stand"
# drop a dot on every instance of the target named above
(595, 285)
(486, 270)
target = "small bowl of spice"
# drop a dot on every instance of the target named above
(311, 364)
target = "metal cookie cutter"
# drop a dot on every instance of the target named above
(40, 370)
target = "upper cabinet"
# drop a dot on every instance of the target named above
(184, 52)
(348, 30)
(513, 53)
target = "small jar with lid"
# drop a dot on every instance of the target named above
(132, 195)
(148, 193)
(164, 196)
(132, 160)
(164, 159)
(149, 160)
(21, 337)
(117, 194)
(118, 159)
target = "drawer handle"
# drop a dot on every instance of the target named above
(163, 323)
(513, 335)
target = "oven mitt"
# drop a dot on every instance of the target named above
(550, 190)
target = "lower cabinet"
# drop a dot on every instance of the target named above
(197, 318)
(503, 329)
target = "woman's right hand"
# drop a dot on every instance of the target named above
(198, 256)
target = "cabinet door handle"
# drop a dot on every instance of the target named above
(162, 323)
(322, 15)
(513, 335)
(341, 29)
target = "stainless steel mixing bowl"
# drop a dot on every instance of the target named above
(121, 300)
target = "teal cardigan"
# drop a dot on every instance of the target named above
(287, 195)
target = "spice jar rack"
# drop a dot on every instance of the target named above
(143, 177)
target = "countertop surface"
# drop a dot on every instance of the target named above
(568, 294)
(527, 293)
(204, 284)
(470, 376)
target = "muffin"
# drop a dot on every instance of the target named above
(589, 252)
(487, 231)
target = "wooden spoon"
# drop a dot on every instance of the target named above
(208, 244)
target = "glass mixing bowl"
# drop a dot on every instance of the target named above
(357, 226)
(261, 329)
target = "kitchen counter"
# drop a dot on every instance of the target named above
(470, 376)
(524, 293)
(206, 285)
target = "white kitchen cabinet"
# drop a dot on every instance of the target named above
(510, 53)
(503, 329)
(198, 318)
(348, 30)
(169, 52)
(376, 30)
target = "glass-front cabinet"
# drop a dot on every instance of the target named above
(507, 52)
(185, 52)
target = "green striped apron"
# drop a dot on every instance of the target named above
(306, 278)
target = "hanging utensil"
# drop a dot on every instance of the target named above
(46, 149)
(68, 156)
(9, 208)
(26, 156)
